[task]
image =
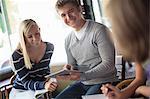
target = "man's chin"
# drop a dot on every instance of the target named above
(71, 25)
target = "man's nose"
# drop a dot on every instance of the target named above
(68, 17)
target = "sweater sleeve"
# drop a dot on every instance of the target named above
(107, 53)
(28, 83)
(70, 59)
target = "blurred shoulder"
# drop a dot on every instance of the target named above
(17, 54)
(49, 45)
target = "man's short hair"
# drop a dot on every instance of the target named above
(61, 3)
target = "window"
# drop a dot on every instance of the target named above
(99, 13)
(5, 45)
(43, 12)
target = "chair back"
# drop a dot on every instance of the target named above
(5, 90)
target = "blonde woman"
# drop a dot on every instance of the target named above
(130, 24)
(31, 62)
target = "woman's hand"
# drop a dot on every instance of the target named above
(112, 92)
(50, 85)
(144, 90)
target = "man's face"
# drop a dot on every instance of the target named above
(71, 15)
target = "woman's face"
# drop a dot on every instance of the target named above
(71, 15)
(33, 37)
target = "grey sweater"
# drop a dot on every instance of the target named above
(93, 54)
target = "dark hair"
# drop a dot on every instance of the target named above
(61, 3)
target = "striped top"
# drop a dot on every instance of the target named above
(32, 79)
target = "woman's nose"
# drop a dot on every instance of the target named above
(34, 38)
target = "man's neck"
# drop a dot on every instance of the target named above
(81, 24)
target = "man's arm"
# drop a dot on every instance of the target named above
(107, 54)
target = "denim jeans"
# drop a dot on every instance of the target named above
(76, 90)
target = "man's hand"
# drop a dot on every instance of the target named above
(73, 75)
(68, 67)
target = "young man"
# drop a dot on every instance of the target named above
(90, 52)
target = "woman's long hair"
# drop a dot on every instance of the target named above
(23, 29)
(130, 24)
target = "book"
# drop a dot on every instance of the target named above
(39, 93)
(96, 96)
(102, 96)
(62, 72)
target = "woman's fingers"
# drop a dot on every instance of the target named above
(112, 88)
(52, 87)
(110, 91)
(105, 90)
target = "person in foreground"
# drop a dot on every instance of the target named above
(90, 52)
(31, 62)
(131, 32)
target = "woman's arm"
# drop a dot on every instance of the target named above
(115, 93)
(23, 74)
(144, 90)
(139, 80)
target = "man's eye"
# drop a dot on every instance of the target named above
(63, 15)
(71, 11)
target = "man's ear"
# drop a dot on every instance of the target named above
(81, 8)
